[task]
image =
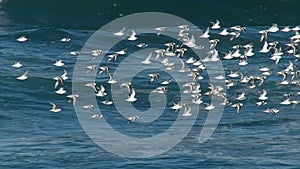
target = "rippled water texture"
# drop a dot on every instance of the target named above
(33, 137)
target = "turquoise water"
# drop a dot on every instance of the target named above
(33, 137)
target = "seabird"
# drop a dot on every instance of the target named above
(243, 62)
(121, 32)
(17, 64)
(286, 102)
(166, 82)
(191, 42)
(132, 119)
(61, 91)
(54, 108)
(58, 80)
(142, 45)
(264, 35)
(228, 56)
(205, 34)
(272, 111)
(187, 111)
(264, 69)
(107, 102)
(209, 106)
(197, 99)
(241, 96)
(127, 85)
(122, 52)
(64, 75)
(97, 116)
(100, 91)
(263, 95)
(103, 69)
(59, 63)
(286, 29)
(261, 103)
(159, 30)
(113, 56)
(215, 25)
(74, 53)
(237, 106)
(24, 76)
(65, 39)
(177, 106)
(224, 32)
(147, 60)
(89, 106)
(131, 91)
(132, 36)
(265, 48)
(213, 43)
(274, 28)
(73, 98)
(296, 28)
(22, 39)
(161, 89)
(131, 97)
(91, 68)
(153, 77)
(234, 74)
(96, 53)
(111, 80)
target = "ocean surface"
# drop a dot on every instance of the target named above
(34, 137)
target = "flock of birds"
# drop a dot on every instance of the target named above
(194, 68)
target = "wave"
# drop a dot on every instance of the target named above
(94, 13)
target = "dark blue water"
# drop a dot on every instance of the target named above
(34, 137)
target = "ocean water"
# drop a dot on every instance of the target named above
(34, 137)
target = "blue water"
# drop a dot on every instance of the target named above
(34, 137)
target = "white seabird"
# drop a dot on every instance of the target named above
(147, 60)
(187, 111)
(73, 98)
(238, 107)
(132, 119)
(132, 36)
(111, 80)
(265, 48)
(107, 102)
(205, 34)
(97, 116)
(59, 63)
(65, 39)
(224, 32)
(274, 28)
(261, 103)
(263, 95)
(272, 111)
(131, 97)
(215, 25)
(61, 91)
(241, 96)
(100, 91)
(121, 32)
(153, 77)
(177, 106)
(22, 39)
(24, 76)
(159, 30)
(54, 108)
(209, 107)
(17, 64)
(89, 106)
